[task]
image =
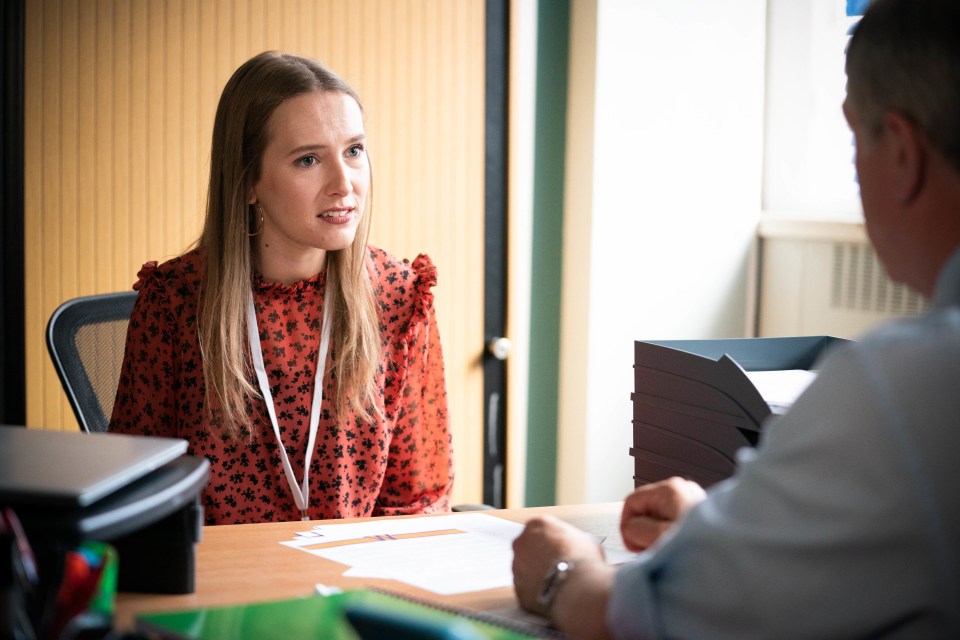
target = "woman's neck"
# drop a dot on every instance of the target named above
(276, 266)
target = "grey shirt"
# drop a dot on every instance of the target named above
(844, 523)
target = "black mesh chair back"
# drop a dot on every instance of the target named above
(86, 339)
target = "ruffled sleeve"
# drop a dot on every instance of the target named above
(144, 274)
(425, 280)
(419, 474)
(146, 402)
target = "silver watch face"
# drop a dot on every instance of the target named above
(552, 582)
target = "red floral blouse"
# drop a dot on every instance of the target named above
(402, 464)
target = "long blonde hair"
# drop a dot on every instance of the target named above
(240, 135)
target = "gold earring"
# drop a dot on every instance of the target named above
(260, 225)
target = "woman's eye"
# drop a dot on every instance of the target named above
(355, 151)
(307, 161)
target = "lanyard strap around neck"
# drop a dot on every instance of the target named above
(301, 493)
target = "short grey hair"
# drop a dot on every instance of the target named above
(904, 57)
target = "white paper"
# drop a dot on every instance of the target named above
(447, 554)
(781, 388)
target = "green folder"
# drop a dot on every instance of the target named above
(352, 615)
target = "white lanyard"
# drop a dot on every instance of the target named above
(301, 494)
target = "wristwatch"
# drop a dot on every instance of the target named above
(551, 583)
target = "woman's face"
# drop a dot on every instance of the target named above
(314, 177)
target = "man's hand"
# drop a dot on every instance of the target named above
(543, 542)
(653, 508)
(580, 605)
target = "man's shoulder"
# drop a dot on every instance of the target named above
(934, 331)
(919, 356)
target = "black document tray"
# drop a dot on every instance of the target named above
(154, 522)
(694, 407)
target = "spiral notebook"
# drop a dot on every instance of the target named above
(365, 614)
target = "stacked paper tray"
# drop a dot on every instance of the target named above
(695, 406)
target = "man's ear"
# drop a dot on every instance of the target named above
(907, 148)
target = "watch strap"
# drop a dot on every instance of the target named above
(557, 575)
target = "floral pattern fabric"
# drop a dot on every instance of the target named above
(401, 464)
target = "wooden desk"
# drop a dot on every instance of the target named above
(246, 563)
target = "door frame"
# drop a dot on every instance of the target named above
(496, 125)
(13, 408)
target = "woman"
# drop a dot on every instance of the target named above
(281, 342)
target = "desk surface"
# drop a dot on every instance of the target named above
(246, 563)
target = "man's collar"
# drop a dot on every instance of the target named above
(947, 291)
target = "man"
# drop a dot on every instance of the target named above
(845, 522)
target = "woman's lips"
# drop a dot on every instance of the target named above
(336, 216)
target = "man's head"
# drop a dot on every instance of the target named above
(904, 56)
(903, 104)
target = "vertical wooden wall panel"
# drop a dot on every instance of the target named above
(120, 98)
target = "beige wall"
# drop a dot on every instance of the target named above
(119, 102)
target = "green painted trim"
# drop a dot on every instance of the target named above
(553, 44)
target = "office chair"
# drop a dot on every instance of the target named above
(86, 338)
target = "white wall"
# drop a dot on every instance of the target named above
(662, 201)
(808, 169)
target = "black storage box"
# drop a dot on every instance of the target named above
(154, 523)
(151, 514)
